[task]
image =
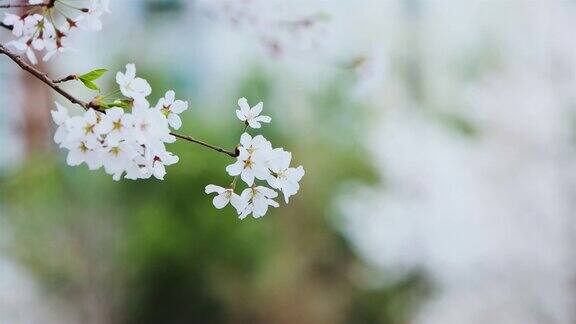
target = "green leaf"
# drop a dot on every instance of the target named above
(89, 84)
(92, 75)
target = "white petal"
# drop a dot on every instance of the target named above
(257, 109)
(244, 107)
(130, 71)
(235, 169)
(240, 115)
(174, 121)
(220, 201)
(245, 140)
(214, 188)
(248, 177)
(170, 95)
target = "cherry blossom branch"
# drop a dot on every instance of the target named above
(213, 147)
(54, 85)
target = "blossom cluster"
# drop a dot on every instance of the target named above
(38, 29)
(257, 160)
(130, 143)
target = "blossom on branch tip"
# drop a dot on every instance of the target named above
(251, 115)
(251, 162)
(170, 108)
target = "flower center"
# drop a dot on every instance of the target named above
(117, 125)
(115, 151)
(89, 129)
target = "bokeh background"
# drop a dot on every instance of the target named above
(438, 139)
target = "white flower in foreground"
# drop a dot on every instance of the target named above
(282, 176)
(82, 150)
(257, 200)
(170, 108)
(116, 158)
(151, 128)
(131, 86)
(225, 196)
(60, 116)
(256, 145)
(251, 115)
(16, 22)
(249, 166)
(84, 127)
(157, 162)
(117, 125)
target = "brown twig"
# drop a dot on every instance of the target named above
(54, 85)
(26, 5)
(66, 79)
(208, 145)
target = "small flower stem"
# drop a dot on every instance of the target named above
(54, 85)
(233, 184)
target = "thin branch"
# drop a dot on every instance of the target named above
(23, 5)
(208, 145)
(54, 85)
(6, 26)
(66, 79)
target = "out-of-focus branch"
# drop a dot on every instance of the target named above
(47, 4)
(6, 26)
(54, 85)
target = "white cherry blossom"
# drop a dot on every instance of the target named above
(151, 128)
(117, 126)
(249, 166)
(251, 115)
(170, 108)
(282, 176)
(257, 200)
(115, 158)
(60, 116)
(158, 161)
(131, 86)
(83, 150)
(225, 196)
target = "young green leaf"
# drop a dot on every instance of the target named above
(93, 75)
(89, 84)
